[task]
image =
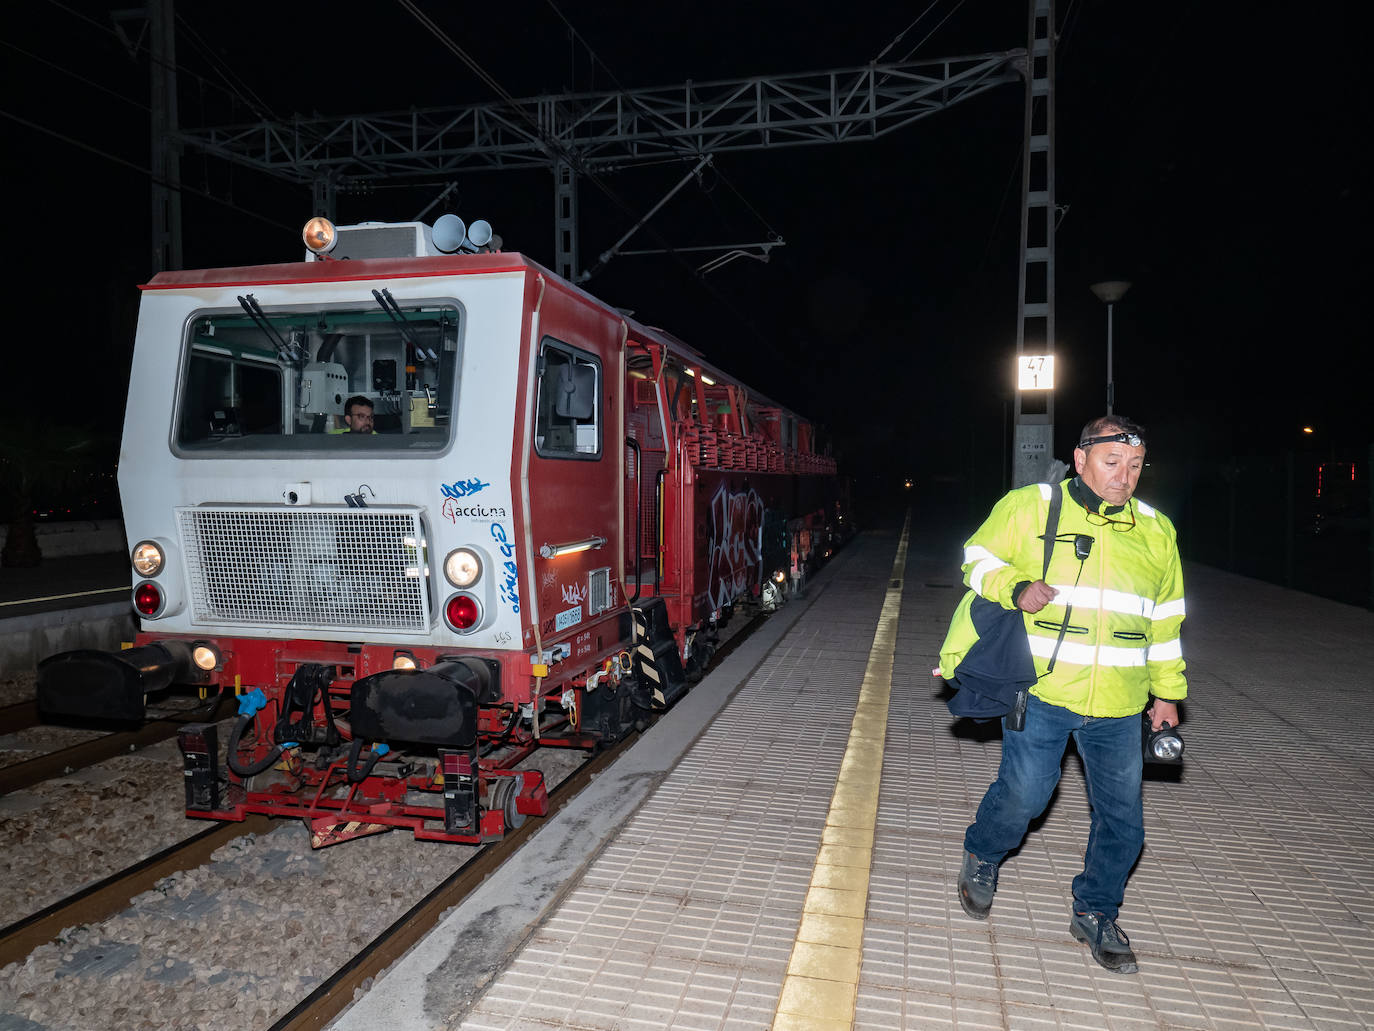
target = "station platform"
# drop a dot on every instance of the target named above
(781, 849)
(64, 582)
(66, 601)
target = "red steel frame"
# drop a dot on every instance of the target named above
(376, 800)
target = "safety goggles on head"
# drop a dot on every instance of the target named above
(1133, 439)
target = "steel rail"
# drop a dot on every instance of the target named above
(19, 716)
(88, 753)
(105, 898)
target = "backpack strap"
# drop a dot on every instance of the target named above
(1052, 525)
(1016, 719)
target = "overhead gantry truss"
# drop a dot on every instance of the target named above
(585, 134)
(595, 132)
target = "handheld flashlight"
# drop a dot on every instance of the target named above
(1164, 745)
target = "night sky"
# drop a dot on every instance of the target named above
(1219, 162)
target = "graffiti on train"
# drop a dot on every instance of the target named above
(736, 544)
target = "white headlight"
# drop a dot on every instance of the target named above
(147, 559)
(462, 567)
(205, 656)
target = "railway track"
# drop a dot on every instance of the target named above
(113, 894)
(75, 757)
(19, 716)
(108, 897)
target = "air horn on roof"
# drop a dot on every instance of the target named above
(451, 236)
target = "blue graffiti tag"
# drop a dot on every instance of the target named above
(463, 488)
(510, 574)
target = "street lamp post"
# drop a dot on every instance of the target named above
(1109, 293)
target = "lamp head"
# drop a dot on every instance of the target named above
(1111, 291)
(1164, 745)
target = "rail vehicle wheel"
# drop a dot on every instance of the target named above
(503, 795)
(640, 712)
(703, 650)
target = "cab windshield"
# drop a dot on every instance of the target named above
(274, 380)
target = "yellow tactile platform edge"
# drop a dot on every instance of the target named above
(822, 979)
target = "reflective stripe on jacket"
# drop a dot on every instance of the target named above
(1122, 642)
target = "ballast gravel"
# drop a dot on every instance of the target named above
(237, 943)
(234, 944)
(17, 687)
(31, 742)
(71, 831)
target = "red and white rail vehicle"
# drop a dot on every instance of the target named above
(534, 548)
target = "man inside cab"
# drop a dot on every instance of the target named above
(358, 415)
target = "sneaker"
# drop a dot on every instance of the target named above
(977, 885)
(1109, 944)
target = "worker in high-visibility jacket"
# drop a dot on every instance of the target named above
(1104, 636)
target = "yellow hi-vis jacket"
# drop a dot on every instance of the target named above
(1122, 642)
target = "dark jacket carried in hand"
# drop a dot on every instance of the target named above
(996, 667)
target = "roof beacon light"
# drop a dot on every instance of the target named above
(319, 235)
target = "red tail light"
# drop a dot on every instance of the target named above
(462, 612)
(148, 599)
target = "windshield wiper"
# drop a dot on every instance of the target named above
(290, 352)
(393, 312)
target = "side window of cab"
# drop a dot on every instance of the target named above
(568, 413)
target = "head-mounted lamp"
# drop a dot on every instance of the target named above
(1133, 439)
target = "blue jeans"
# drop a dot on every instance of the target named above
(1031, 758)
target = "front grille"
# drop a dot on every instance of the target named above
(301, 567)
